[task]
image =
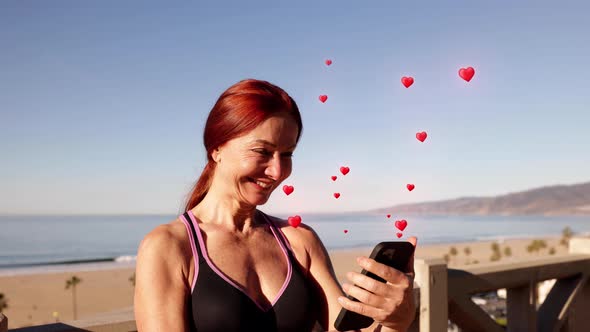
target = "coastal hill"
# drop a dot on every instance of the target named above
(549, 201)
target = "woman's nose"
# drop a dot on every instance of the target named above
(274, 168)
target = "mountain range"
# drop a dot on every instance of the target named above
(548, 201)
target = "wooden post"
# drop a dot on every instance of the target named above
(3, 323)
(578, 319)
(521, 308)
(431, 277)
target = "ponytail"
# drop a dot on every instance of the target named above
(201, 187)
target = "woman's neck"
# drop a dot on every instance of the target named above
(226, 213)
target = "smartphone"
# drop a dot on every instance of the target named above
(394, 254)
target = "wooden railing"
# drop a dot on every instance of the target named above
(444, 295)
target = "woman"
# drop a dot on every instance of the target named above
(226, 266)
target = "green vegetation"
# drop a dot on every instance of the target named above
(536, 246)
(495, 247)
(453, 251)
(496, 253)
(502, 321)
(551, 251)
(467, 251)
(507, 251)
(566, 235)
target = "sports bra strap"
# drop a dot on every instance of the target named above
(189, 221)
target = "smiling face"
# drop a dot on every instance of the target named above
(250, 167)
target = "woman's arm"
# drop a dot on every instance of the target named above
(398, 291)
(161, 290)
(322, 274)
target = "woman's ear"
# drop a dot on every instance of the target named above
(216, 155)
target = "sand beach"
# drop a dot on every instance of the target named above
(39, 296)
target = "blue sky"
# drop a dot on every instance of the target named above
(102, 104)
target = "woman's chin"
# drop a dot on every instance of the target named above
(260, 201)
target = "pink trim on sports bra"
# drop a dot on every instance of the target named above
(227, 279)
(194, 249)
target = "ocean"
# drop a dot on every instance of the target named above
(29, 241)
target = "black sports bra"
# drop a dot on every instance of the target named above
(219, 304)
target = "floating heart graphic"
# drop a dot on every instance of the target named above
(401, 224)
(407, 81)
(323, 98)
(467, 73)
(288, 189)
(294, 221)
(334, 177)
(410, 187)
(328, 62)
(345, 231)
(336, 195)
(344, 170)
(421, 136)
(389, 216)
(399, 235)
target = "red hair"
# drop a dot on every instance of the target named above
(240, 109)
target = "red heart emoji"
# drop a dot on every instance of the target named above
(288, 189)
(336, 195)
(398, 235)
(294, 221)
(334, 177)
(389, 216)
(328, 62)
(345, 231)
(410, 187)
(401, 224)
(323, 98)
(421, 136)
(344, 170)
(467, 73)
(407, 81)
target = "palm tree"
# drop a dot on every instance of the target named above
(507, 251)
(132, 279)
(3, 302)
(447, 258)
(453, 252)
(566, 235)
(496, 253)
(72, 282)
(495, 247)
(467, 252)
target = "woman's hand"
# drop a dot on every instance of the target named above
(390, 304)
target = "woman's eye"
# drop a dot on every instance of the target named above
(262, 152)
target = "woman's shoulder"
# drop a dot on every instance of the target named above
(173, 232)
(302, 236)
(168, 240)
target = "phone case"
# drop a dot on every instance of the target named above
(395, 254)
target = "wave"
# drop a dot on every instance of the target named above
(117, 259)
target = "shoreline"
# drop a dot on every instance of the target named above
(35, 293)
(127, 261)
